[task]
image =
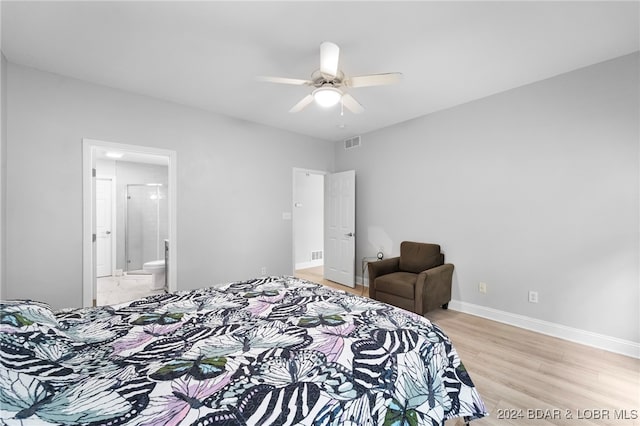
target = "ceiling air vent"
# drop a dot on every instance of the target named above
(353, 142)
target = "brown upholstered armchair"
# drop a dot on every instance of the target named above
(418, 281)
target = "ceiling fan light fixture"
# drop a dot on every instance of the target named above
(327, 96)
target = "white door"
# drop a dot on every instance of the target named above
(104, 238)
(340, 227)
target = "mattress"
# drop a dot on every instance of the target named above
(269, 351)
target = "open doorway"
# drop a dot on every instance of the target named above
(129, 230)
(131, 225)
(308, 223)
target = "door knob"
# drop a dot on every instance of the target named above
(350, 234)
(107, 232)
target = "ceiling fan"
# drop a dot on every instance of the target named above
(330, 83)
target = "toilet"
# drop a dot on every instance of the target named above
(157, 270)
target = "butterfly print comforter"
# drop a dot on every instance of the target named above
(270, 351)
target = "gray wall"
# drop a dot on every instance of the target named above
(234, 183)
(3, 174)
(531, 189)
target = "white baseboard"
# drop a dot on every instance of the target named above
(601, 341)
(309, 264)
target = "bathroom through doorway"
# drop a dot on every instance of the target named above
(129, 196)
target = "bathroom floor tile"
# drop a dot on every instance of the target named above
(114, 290)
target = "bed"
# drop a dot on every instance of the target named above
(269, 351)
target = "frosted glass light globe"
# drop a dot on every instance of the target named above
(327, 96)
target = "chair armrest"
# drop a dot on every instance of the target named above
(381, 267)
(433, 288)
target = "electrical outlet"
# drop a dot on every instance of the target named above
(533, 297)
(263, 271)
(482, 287)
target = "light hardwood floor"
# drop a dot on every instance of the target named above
(527, 378)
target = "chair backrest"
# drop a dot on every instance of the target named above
(418, 257)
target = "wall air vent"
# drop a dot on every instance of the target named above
(353, 142)
(316, 255)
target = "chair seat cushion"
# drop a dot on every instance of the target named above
(399, 283)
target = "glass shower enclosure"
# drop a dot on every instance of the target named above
(146, 224)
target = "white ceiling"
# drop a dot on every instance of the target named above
(207, 54)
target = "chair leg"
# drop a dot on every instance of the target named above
(445, 306)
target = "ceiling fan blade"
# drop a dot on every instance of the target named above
(302, 104)
(374, 79)
(284, 80)
(351, 104)
(329, 56)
